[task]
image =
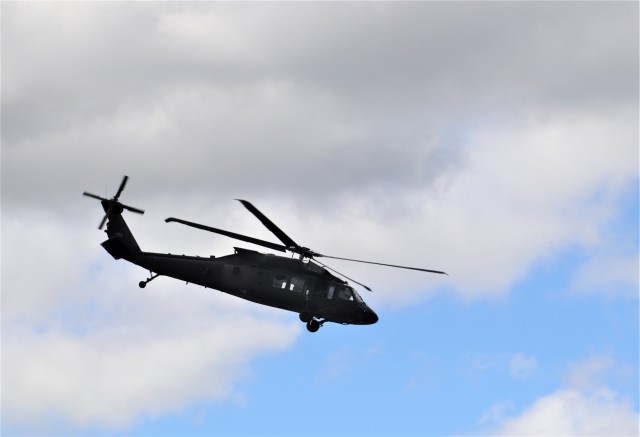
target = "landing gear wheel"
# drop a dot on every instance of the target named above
(143, 284)
(313, 325)
(305, 316)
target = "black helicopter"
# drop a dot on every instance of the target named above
(303, 285)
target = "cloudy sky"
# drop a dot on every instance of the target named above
(495, 141)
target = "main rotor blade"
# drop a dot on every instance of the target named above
(270, 225)
(382, 264)
(93, 196)
(122, 185)
(240, 237)
(342, 274)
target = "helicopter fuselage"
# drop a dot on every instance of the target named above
(296, 285)
(281, 282)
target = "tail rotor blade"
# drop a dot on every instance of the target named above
(113, 201)
(132, 209)
(122, 185)
(93, 196)
(104, 220)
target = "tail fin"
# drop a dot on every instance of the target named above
(121, 242)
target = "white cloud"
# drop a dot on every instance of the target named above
(119, 356)
(569, 412)
(114, 375)
(342, 361)
(522, 366)
(584, 406)
(83, 346)
(588, 374)
(497, 413)
(609, 271)
(517, 365)
(527, 193)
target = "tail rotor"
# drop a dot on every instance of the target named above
(113, 205)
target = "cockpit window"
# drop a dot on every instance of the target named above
(357, 296)
(345, 292)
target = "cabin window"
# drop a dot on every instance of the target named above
(332, 288)
(309, 287)
(325, 290)
(280, 280)
(297, 283)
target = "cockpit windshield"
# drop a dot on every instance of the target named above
(357, 296)
(347, 293)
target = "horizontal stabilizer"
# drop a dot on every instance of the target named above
(115, 247)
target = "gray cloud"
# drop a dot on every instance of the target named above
(290, 93)
(467, 122)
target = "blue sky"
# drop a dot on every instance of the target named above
(496, 141)
(436, 368)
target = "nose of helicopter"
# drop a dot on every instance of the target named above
(370, 317)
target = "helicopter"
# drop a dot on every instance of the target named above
(304, 285)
